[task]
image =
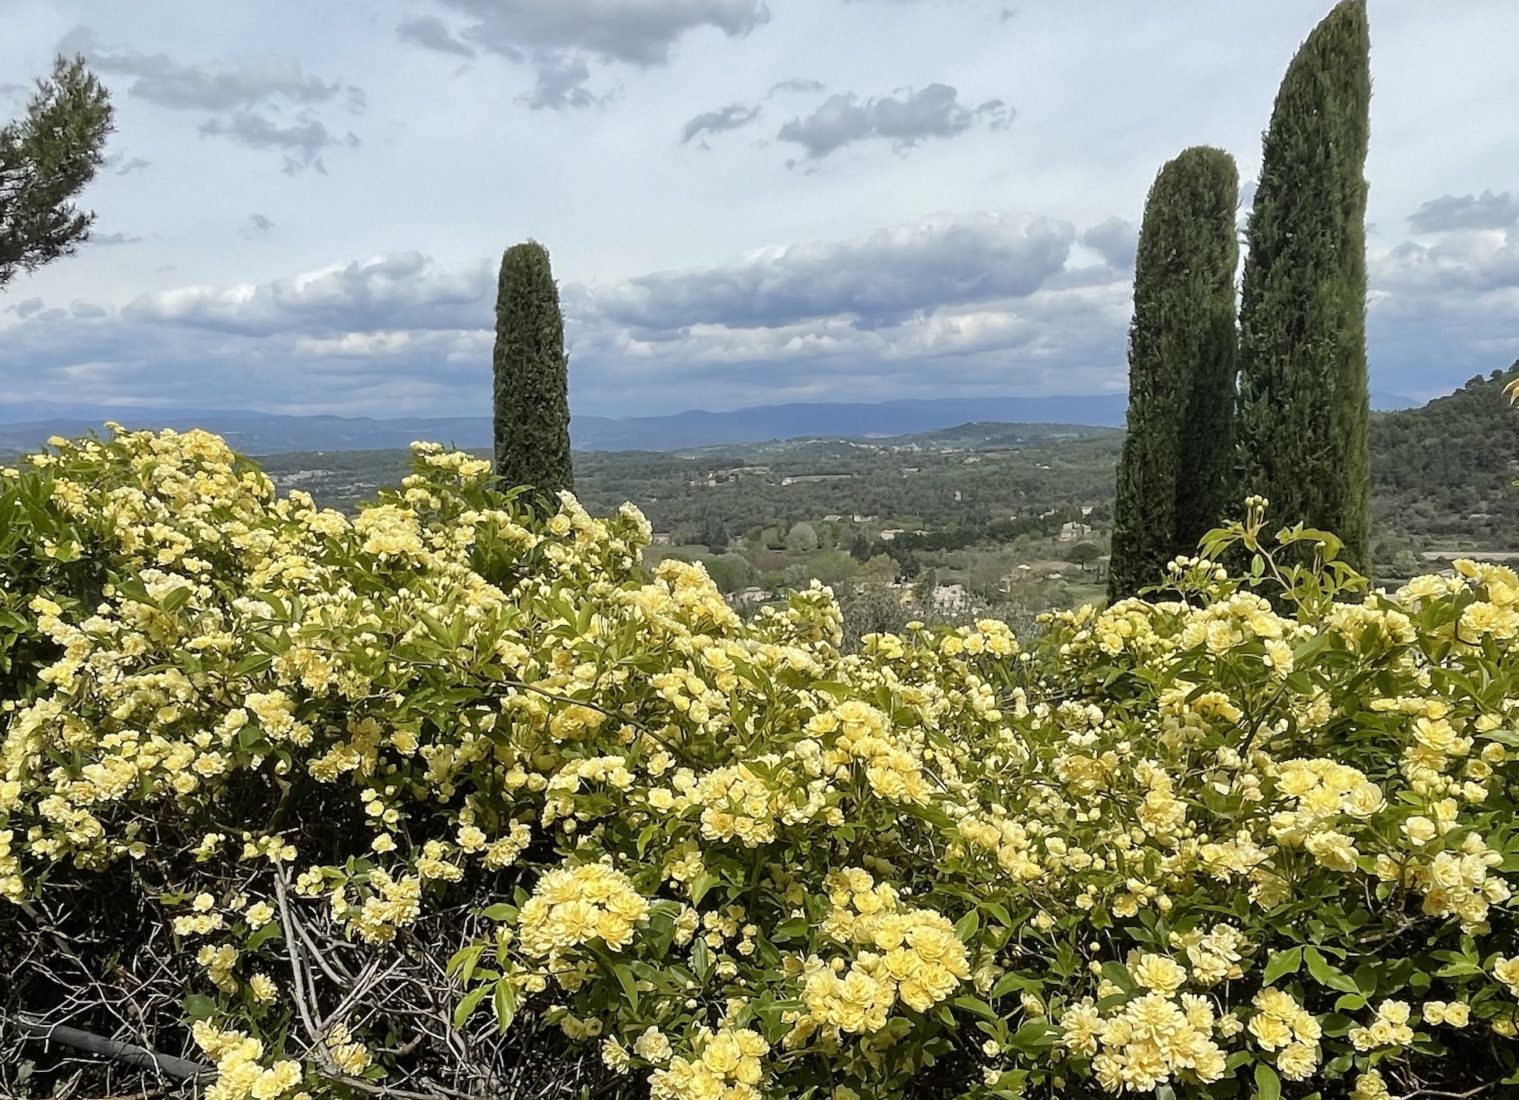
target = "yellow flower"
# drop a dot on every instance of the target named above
(1158, 972)
(1297, 1061)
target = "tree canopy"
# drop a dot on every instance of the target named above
(46, 158)
(1173, 480)
(1304, 405)
(532, 408)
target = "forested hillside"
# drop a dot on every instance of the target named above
(1442, 474)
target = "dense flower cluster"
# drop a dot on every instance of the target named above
(574, 905)
(1172, 843)
(912, 956)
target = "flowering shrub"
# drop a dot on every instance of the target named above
(368, 793)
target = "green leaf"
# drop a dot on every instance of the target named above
(199, 1007)
(471, 1001)
(1283, 962)
(1035, 1035)
(793, 928)
(648, 833)
(1327, 974)
(504, 1001)
(999, 911)
(176, 598)
(629, 984)
(254, 662)
(1268, 1086)
(1118, 974)
(262, 936)
(463, 964)
(978, 1006)
(1012, 981)
(968, 925)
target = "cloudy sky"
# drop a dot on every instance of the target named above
(746, 201)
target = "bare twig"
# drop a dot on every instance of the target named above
(130, 1053)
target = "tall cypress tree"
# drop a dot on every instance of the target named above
(1174, 476)
(1304, 403)
(532, 408)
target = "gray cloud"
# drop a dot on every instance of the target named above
(904, 119)
(202, 87)
(796, 84)
(641, 33)
(1002, 11)
(267, 105)
(123, 165)
(870, 282)
(300, 142)
(255, 226)
(1485, 211)
(113, 238)
(432, 33)
(556, 36)
(1437, 314)
(559, 83)
(730, 117)
(1116, 241)
(28, 307)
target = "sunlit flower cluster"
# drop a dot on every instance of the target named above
(911, 955)
(574, 905)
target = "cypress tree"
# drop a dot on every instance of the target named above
(1174, 476)
(532, 408)
(1304, 403)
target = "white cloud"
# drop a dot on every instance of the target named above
(869, 282)
(405, 290)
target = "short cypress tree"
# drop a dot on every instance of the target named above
(532, 407)
(1174, 476)
(1304, 402)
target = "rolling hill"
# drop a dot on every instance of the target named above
(24, 427)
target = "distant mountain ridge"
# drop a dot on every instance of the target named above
(26, 426)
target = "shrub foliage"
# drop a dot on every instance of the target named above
(330, 805)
